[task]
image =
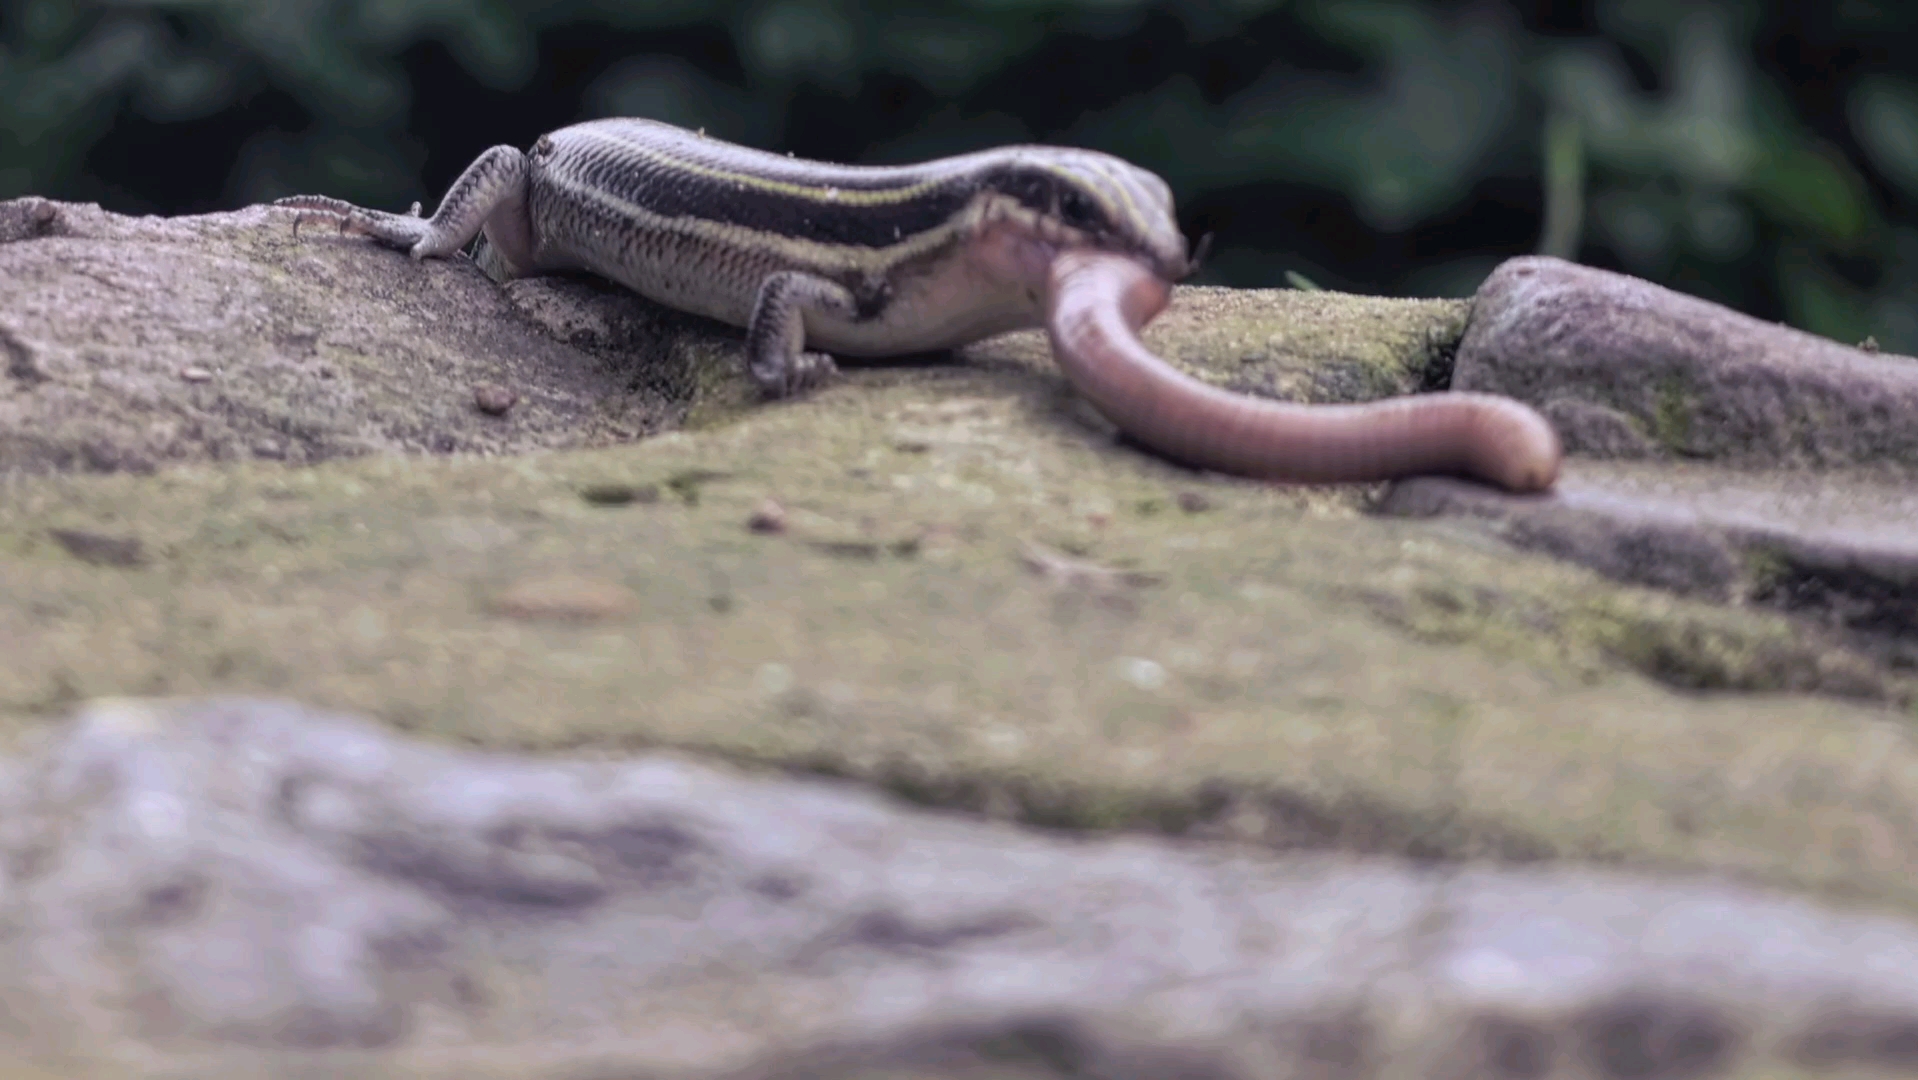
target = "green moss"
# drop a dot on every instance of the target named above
(1309, 345)
(1671, 420)
(1697, 655)
(686, 483)
(1690, 647)
(1764, 570)
(1280, 659)
(717, 394)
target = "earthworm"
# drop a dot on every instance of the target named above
(1099, 300)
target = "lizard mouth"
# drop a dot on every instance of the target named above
(1096, 302)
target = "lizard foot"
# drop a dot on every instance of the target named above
(402, 231)
(804, 373)
(810, 371)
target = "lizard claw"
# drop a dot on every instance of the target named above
(395, 230)
(802, 372)
(809, 371)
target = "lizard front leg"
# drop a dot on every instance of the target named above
(490, 195)
(776, 353)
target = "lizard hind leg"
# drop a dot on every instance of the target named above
(491, 193)
(776, 353)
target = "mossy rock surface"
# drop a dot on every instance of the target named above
(944, 578)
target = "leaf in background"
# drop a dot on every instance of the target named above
(1564, 188)
(1638, 223)
(948, 131)
(1884, 115)
(1401, 151)
(1811, 187)
(488, 37)
(1719, 227)
(1456, 278)
(368, 167)
(625, 14)
(1658, 28)
(1894, 305)
(811, 40)
(1406, 146)
(48, 100)
(42, 27)
(176, 85)
(1172, 126)
(1699, 132)
(1211, 20)
(1818, 300)
(950, 56)
(673, 90)
(302, 45)
(1376, 28)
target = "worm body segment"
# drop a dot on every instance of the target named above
(1098, 302)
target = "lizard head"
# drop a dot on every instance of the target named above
(1092, 200)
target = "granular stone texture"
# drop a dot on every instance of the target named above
(233, 887)
(1627, 368)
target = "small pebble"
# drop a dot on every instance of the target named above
(1193, 502)
(100, 549)
(1142, 673)
(565, 598)
(848, 549)
(617, 494)
(196, 374)
(769, 517)
(493, 399)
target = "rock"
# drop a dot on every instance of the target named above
(1837, 547)
(327, 346)
(1776, 466)
(1330, 735)
(1299, 673)
(1693, 378)
(235, 887)
(564, 597)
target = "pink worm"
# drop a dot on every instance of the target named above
(1098, 302)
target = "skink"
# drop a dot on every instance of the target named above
(814, 259)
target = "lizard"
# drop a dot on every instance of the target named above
(814, 260)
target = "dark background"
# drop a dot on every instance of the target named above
(1760, 154)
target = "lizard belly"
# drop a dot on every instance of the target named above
(942, 304)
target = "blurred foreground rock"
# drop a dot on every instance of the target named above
(236, 887)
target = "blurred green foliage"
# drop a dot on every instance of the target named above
(1760, 154)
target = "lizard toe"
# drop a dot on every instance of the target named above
(809, 371)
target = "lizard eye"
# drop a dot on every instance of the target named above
(1078, 211)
